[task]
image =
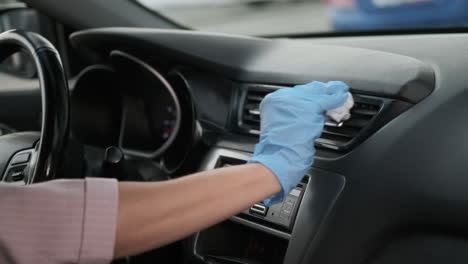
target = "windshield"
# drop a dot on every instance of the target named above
(277, 17)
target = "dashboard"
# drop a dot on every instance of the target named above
(381, 182)
(226, 94)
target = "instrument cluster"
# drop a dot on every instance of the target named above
(128, 103)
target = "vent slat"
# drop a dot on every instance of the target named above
(333, 139)
(252, 118)
(356, 122)
(369, 112)
(253, 109)
(257, 98)
(348, 132)
(254, 112)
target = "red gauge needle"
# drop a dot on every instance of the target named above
(169, 130)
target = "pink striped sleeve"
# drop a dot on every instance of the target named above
(62, 221)
(100, 221)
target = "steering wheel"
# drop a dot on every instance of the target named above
(30, 157)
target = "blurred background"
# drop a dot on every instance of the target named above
(250, 17)
(289, 17)
(277, 17)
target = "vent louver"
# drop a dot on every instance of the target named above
(251, 109)
(336, 136)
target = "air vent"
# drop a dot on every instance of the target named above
(340, 135)
(251, 109)
(336, 136)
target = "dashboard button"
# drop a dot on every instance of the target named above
(16, 174)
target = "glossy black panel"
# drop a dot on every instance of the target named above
(97, 107)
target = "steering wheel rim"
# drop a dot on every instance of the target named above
(49, 153)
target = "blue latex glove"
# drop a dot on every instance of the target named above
(291, 120)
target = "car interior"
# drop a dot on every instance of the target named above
(142, 98)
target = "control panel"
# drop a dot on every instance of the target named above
(18, 168)
(282, 214)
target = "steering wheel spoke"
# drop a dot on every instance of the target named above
(18, 170)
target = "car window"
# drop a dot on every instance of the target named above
(272, 17)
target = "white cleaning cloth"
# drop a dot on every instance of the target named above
(342, 113)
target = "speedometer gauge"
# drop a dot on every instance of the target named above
(152, 116)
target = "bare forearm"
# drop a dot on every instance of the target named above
(155, 214)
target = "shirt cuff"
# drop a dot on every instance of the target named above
(99, 221)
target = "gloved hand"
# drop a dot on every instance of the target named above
(291, 120)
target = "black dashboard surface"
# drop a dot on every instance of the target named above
(249, 59)
(408, 178)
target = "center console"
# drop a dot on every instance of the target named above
(280, 216)
(281, 233)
